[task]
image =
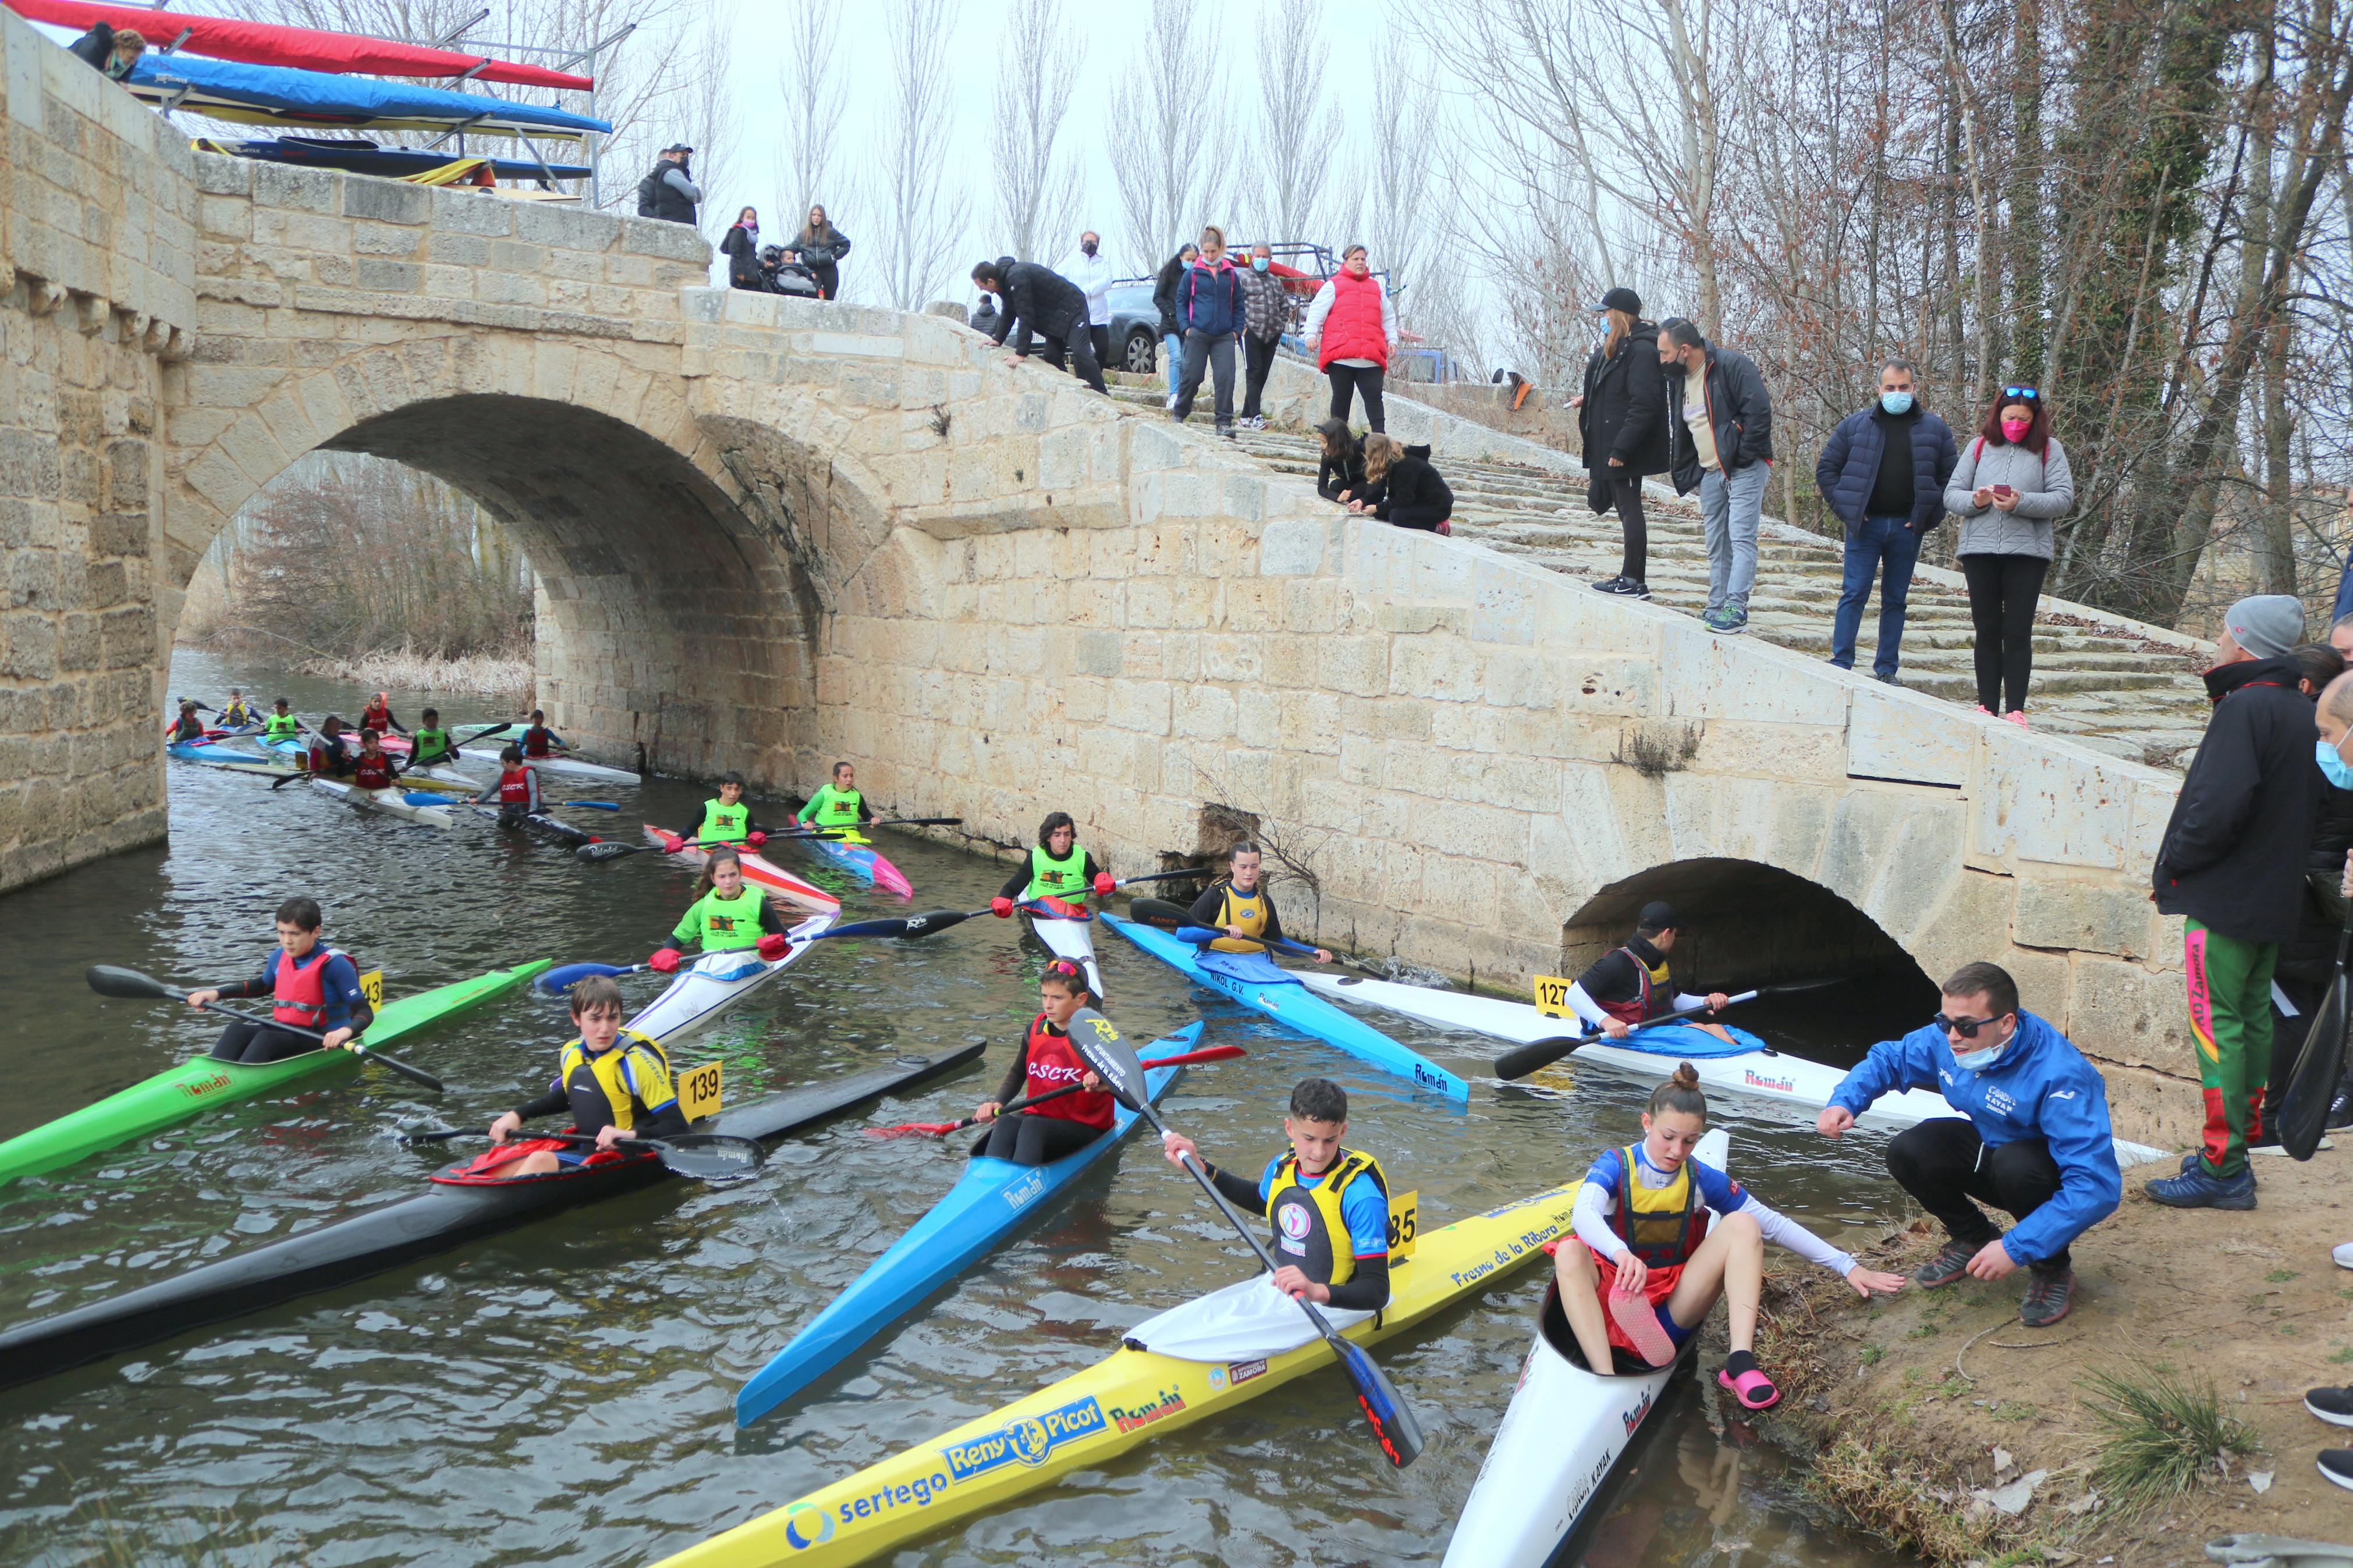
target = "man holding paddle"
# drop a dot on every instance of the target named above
(1629, 986)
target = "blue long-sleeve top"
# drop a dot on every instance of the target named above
(2040, 1087)
(347, 1005)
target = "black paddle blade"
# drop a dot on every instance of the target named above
(905, 925)
(108, 980)
(1158, 913)
(1536, 1055)
(1098, 1040)
(2303, 1111)
(710, 1156)
(593, 852)
(1391, 1417)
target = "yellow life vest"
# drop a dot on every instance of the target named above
(1665, 1224)
(1310, 1231)
(605, 1088)
(1248, 910)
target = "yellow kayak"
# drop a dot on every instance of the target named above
(1107, 1408)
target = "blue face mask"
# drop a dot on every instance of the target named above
(1260, 263)
(2333, 765)
(1978, 1061)
(1898, 402)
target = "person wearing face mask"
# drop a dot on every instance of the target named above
(2308, 961)
(2009, 486)
(2033, 1140)
(1164, 299)
(1092, 272)
(2231, 864)
(1622, 420)
(1209, 309)
(1882, 472)
(1266, 313)
(1350, 328)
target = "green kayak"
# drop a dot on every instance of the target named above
(200, 1083)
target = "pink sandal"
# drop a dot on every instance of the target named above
(1639, 1320)
(1752, 1388)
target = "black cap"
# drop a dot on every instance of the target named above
(677, 147)
(1624, 300)
(1658, 915)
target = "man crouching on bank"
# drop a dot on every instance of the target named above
(2035, 1144)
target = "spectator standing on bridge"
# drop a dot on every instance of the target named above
(742, 244)
(1210, 308)
(821, 248)
(1266, 312)
(1091, 270)
(1164, 299)
(1034, 299)
(112, 50)
(1882, 472)
(1350, 328)
(1719, 442)
(667, 192)
(2010, 485)
(1621, 415)
(2231, 863)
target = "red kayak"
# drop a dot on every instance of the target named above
(757, 869)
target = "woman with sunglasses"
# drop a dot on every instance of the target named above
(2012, 483)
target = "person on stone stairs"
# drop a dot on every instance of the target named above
(2011, 482)
(1882, 472)
(1622, 420)
(1340, 468)
(1402, 487)
(1719, 443)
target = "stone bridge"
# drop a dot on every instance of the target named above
(772, 533)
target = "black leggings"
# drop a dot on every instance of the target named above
(1347, 380)
(1944, 1164)
(1028, 1140)
(2002, 590)
(253, 1043)
(1625, 492)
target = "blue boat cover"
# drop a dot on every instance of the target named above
(1683, 1040)
(285, 89)
(1252, 968)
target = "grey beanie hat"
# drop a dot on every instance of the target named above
(2266, 625)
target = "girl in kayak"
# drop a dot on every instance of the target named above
(314, 986)
(377, 716)
(727, 913)
(539, 741)
(371, 769)
(516, 789)
(1240, 909)
(1644, 1268)
(429, 745)
(727, 820)
(837, 805)
(188, 726)
(1059, 872)
(1041, 1135)
(615, 1081)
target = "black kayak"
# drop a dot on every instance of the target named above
(465, 1201)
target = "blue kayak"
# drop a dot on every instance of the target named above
(993, 1199)
(1257, 981)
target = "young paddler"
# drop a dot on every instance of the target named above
(234, 713)
(1644, 1266)
(1329, 1203)
(1059, 872)
(615, 1082)
(189, 725)
(539, 741)
(331, 753)
(1048, 1061)
(515, 790)
(1629, 984)
(377, 716)
(312, 985)
(838, 804)
(281, 724)
(727, 820)
(727, 913)
(372, 768)
(429, 745)
(1240, 909)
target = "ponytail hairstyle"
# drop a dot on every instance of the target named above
(705, 881)
(1070, 974)
(1680, 1092)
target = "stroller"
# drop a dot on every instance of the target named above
(782, 276)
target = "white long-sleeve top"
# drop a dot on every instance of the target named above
(1596, 1203)
(1093, 275)
(1587, 1008)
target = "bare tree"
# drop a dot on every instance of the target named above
(1397, 176)
(918, 231)
(1037, 185)
(709, 124)
(1165, 132)
(1298, 126)
(816, 92)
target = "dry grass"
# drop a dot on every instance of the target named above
(407, 670)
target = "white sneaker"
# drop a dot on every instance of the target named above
(2282, 1148)
(1171, 404)
(2343, 1254)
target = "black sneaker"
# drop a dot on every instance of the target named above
(1947, 1266)
(2334, 1406)
(2336, 1463)
(1623, 587)
(2049, 1296)
(2340, 1114)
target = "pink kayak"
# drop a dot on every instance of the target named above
(757, 869)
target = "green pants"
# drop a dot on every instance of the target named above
(2229, 984)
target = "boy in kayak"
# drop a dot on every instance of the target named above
(516, 789)
(615, 1081)
(837, 805)
(1629, 984)
(1047, 1062)
(1060, 873)
(234, 713)
(281, 724)
(727, 820)
(727, 913)
(371, 769)
(1644, 1268)
(539, 741)
(377, 716)
(188, 726)
(1330, 1205)
(314, 987)
(331, 754)
(429, 745)
(1241, 907)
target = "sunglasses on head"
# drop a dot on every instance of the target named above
(1966, 1027)
(2030, 393)
(1065, 968)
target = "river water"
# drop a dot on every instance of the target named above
(563, 1395)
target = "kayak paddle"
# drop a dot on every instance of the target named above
(942, 1129)
(1392, 1420)
(1177, 918)
(1539, 1054)
(706, 1156)
(556, 982)
(108, 980)
(2312, 1084)
(595, 852)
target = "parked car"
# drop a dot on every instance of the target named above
(1136, 321)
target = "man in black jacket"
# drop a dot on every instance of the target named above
(1034, 299)
(1622, 420)
(1164, 299)
(1884, 471)
(2231, 863)
(667, 192)
(1720, 441)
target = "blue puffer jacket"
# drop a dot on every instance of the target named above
(2040, 1087)
(1850, 465)
(1210, 298)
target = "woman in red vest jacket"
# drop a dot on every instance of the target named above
(1350, 328)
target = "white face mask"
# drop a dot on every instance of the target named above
(1979, 1060)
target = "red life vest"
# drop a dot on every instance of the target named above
(537, 740)
(301, 993)
(376, 719)
(372, 772)
(514, 787)
(1352, 327)
(1054, 1063)
(1637, 1008)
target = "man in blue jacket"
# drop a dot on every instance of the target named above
(2036, 1142)
(1884, 471)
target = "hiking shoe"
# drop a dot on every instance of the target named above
(1886, 679)
(2340, 1114)
(1722, 620)
(2049, 1296)
(1624, 587)
(2334, 1406)
(2194, 1189)
(1947, 1266)
(2189, 1163)
(1732, 620)
(2336, 1463)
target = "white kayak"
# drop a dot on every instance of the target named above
(718, 981)
(387, 801)
(572, 768)
(1546, 1482)
(441, 776)
(1067, 936)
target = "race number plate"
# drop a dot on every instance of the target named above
(371, 987)
(698, 1091)
(1552, 995)
(1405, 1223)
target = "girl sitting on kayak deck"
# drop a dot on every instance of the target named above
(314, 986)
(614, 1086)
(1059, 872)
(1644, 1267)
(727, 913)
(1048, 1061)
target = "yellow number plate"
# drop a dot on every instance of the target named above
(1405, 1223)
(371, 987)
(1552, 995)
(698, 1091)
